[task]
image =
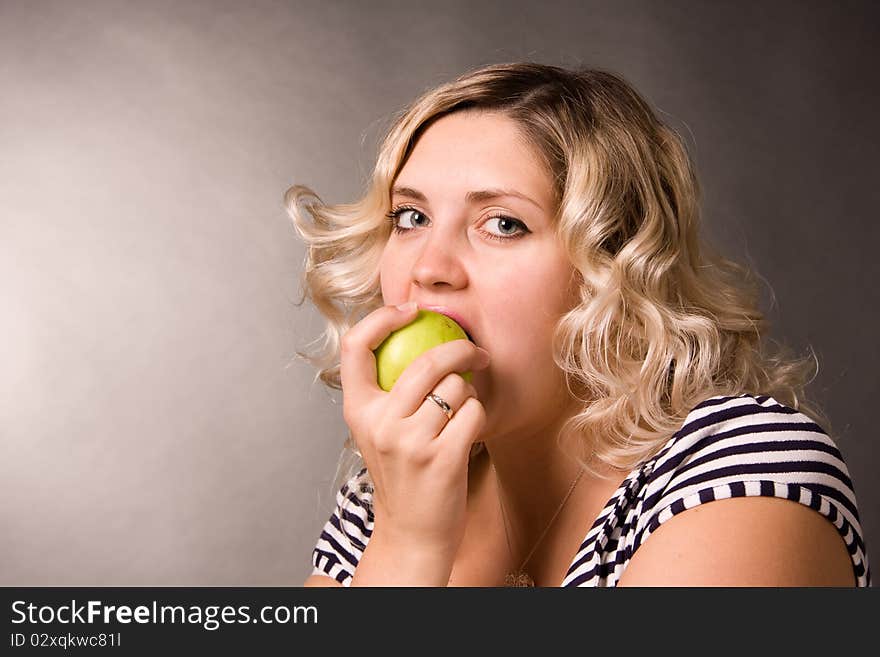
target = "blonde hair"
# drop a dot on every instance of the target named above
(663, 321)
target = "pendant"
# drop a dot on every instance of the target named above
(518, 579)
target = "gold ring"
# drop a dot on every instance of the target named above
(446, 408)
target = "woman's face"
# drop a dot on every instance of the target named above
(507, 278)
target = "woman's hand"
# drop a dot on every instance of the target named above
(416, 457)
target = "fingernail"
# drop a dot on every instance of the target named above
(409, 306)
(484, 355)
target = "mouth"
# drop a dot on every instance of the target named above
(453, 316)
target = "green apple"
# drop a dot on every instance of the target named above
(404, 345)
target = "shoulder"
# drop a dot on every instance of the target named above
(785, 489)
(344, 536)
(742, 441)
(754, 541)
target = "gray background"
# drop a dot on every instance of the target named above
(154, 427)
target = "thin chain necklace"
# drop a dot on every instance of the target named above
(520, 578)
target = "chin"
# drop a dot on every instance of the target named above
(483, 386)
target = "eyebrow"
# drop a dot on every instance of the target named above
(470, 197)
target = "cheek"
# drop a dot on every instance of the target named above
(392, 278)
(523, 386)
(523, 320)
(523, 315)
(539, 296)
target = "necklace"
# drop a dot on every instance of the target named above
(520, 578)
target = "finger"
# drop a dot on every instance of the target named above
(428, 369)
(461, 432)
(430, 416)
(358, 366)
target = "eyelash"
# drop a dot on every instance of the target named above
(395, 214)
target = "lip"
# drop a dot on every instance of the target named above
(452, 315)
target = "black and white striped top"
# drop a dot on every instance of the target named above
(740, 446)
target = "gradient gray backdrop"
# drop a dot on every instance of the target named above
(154, 428)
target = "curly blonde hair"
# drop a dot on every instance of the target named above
(663, 321)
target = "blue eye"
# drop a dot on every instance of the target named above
(504, 223)
(400, 212)
(507, 223)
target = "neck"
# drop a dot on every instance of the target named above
(533, 477)
(530, 495)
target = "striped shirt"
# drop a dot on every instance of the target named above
(738, 446)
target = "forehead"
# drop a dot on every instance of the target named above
(476, 150)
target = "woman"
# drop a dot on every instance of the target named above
(620, 389)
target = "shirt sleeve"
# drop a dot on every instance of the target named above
(345, 535)
(754, 447)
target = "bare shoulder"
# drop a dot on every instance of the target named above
(743, 541)
(321, 580)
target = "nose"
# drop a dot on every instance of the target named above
(439, 264)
